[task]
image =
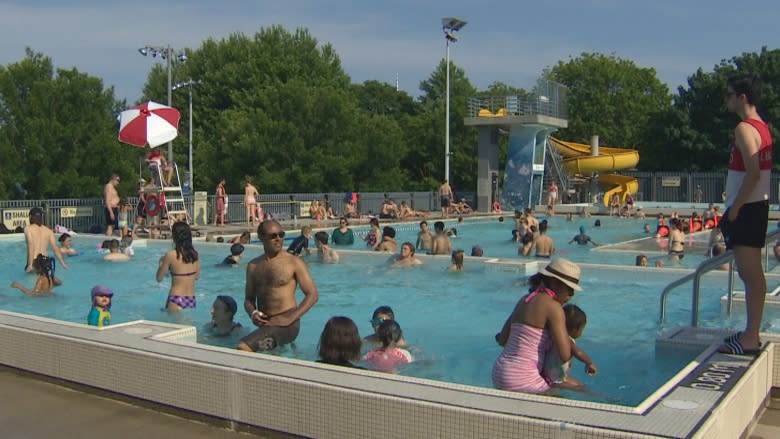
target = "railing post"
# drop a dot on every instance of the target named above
(292, 207)
(730, 294)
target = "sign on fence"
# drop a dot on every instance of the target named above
(73, 212)
(13, 218)
(670, 181)
(304, 213)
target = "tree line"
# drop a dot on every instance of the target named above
(277, 107)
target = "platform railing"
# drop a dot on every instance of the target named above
(705, 267)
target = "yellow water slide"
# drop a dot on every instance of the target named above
(578, 160)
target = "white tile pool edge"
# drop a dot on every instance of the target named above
(160, 362)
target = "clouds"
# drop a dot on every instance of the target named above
(503, 41)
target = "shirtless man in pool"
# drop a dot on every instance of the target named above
(39, 238)
(271, 281)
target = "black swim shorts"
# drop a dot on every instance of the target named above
(115, 222)
(445, 201)
(266, 338)
(749, 229)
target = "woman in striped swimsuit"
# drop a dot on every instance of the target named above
(535, 326)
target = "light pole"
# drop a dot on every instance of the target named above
(165, 53)
(449, 25)
(189, 83)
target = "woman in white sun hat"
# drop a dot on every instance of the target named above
(535, 326)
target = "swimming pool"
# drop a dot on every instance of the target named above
(449, 318)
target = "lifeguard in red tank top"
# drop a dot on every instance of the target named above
(736, 168)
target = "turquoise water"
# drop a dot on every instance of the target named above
(448, 318)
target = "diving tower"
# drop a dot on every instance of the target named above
(528, 120)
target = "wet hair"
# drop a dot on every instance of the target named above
(113, 245)
(457, 258)
(575, 317)
(747, 84)
(410, 245)
(424, 222)
(597, 223)
(639, 259)
(236, 249)
(383, 310)
(438, 226)
(182, 239)
(340, 341)
(63, 237)
(501, 219)
(543, 226)
(36, 216)
(389, 332)
(45, 266)
(230, 303)
(388, 231)
(106, 244)
(374, 222)
(220, 239)
(477, 251)
(321, 237)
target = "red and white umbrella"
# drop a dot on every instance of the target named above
(149, 124)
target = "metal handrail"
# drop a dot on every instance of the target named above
(707, 266)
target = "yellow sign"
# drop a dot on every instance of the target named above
(305, 205)
(670, 181)
(13, 218)
(73, 212)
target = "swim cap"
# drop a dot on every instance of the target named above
(582, 229)
(100, 290)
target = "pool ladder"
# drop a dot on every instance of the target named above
(707, 266)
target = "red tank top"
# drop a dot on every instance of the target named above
(736, 162)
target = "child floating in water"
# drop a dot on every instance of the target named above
(339, 343)
(66, 245)
(44, 285)
(457, 260)
(555, 370)
(222, 312)
(381, 314)
(236, 251)
(100, 314)
(389, 356)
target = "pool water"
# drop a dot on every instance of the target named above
(449, 319)
(495, 238)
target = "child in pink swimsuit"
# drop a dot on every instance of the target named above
(388, 357)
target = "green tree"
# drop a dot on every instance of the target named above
(698, 130)
(611, 97)
(62, 131)
(427, 137)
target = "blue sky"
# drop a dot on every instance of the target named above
(503, 41)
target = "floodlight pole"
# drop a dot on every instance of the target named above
(449, 26)
(447, 121)
(168, 56)
(189, 83)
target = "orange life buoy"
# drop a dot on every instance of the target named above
(709, 224)
(695, 226)
(662, 231)
(152, 205)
